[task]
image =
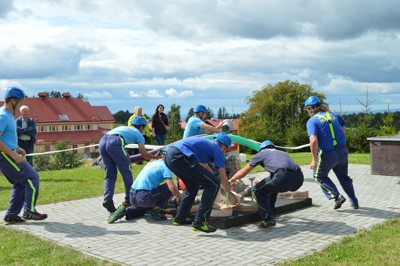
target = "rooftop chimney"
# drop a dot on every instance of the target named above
(42, 94)
(66, 95)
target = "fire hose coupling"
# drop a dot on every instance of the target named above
(227, 125)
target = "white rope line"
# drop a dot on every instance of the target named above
(294, 148)
(57, 151)
(135, 146)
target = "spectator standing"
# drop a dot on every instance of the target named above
(159, 124)
(146, 131)
(16, 169)
(26, 131)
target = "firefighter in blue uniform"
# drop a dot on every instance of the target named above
(16, 169)
(329, 152)
(114, 155)
(285, 175)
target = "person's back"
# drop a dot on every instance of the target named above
(326, 131)
(320, 126)
(272, 160)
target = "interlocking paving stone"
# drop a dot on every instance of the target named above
(298, 233)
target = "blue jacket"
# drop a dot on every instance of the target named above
(30, 130)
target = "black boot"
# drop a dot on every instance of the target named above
(109, 205)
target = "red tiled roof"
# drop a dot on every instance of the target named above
(75, 137)
(48, 110)
(103, 113)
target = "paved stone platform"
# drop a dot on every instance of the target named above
(82, 224)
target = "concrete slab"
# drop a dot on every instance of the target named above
(82, 224)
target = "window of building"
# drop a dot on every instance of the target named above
(63, 117)
(66, 128)
(53, 128)
(42, 129)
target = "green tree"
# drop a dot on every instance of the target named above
(54, 94)
(122, 117)
(387, 129)
(210, 113)
(277, 113)
(189, 114)
(357, 137)
(222, 113)
(65, 159)
(175, 131)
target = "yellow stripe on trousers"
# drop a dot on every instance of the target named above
(316, 175)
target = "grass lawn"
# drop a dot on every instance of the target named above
(375, 246)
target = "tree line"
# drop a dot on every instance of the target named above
(276, 112)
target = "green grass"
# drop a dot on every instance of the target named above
(378, 246)
(66, 185)
(19, 248)
(371, 247)
(304, 158)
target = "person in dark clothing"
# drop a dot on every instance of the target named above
(159, 124)
(285, 175)
(26, 131)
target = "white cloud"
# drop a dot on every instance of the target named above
(173, 93)
(224, 48)
(154, 94)
(134, 94)
(98, 95)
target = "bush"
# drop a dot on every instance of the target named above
(65, 159)
(41, 162)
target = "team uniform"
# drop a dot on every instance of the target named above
(332, 154)
(149, 189)
(183, 158)
(114, 155)
(22, 176)
(285, 175)
(193, 127)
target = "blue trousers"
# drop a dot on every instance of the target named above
(28, 146)
(336, 160)
(193, 175)
(160, 138)
(114, 155)
(25, 182)
(143, 200)
(266, 191)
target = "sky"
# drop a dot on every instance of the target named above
(124, 53)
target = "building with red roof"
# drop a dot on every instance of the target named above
(68, 118)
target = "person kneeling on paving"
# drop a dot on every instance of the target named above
(285, 175)
(149, 194)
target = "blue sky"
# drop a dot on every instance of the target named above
(122, 53)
